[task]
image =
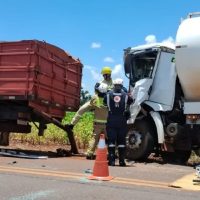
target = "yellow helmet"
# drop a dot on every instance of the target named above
(106, 70)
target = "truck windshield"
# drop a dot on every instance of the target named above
(142, 65)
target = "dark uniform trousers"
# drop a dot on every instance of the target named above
(116, 130)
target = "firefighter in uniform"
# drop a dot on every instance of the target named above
(106, 73)
(117, 101)
(100, 117)
(107, 79)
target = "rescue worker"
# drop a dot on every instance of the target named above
(106, 72)
(117, 101)
(107, 79)
(100, 117)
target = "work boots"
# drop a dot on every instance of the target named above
(122, 154)
(111, 156)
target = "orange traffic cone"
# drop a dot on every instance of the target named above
(100, 170)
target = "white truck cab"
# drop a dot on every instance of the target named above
(164, 103)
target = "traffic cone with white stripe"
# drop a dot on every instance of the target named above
(100, 170)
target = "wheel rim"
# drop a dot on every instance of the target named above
(134, 140)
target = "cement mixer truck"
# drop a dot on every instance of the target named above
(165, 85)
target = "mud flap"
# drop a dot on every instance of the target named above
(4, 138)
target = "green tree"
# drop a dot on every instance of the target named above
(85, 96)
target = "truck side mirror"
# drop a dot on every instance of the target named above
(127, 64)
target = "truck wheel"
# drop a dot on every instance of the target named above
(139, 141)
(178, 157)
(197, 152)
(4, 138)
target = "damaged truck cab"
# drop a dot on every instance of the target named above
(164, 83)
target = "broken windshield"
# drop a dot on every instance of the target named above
(142, 65)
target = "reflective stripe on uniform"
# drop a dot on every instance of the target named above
(100, 121)
(108, 102)
(121, 146)
(111, 145)
(117, 94)
(126, 100)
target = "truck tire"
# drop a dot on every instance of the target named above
(4, 138)
(139, 141)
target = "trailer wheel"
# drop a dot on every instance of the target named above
(178, 157)
(4, 138)
(139, 141)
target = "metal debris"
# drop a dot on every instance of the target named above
(197, 180)
(19, 154)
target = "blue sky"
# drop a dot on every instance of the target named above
(95, 31)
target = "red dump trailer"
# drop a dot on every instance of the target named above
(39, 82)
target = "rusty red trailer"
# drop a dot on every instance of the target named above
(38, 82)
(43, 74)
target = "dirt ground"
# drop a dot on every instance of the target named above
(61, 150)
(42, 149)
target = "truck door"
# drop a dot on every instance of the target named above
(163, 88)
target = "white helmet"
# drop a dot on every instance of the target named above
(102, 88)
(118, 81)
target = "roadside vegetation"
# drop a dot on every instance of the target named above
(54, 135)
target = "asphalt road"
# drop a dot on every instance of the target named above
(67, 178)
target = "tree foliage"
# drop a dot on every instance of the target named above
(85, 96)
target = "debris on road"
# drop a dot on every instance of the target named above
(63, 153)
(88, 171)
(19, 154)
(196, 181)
